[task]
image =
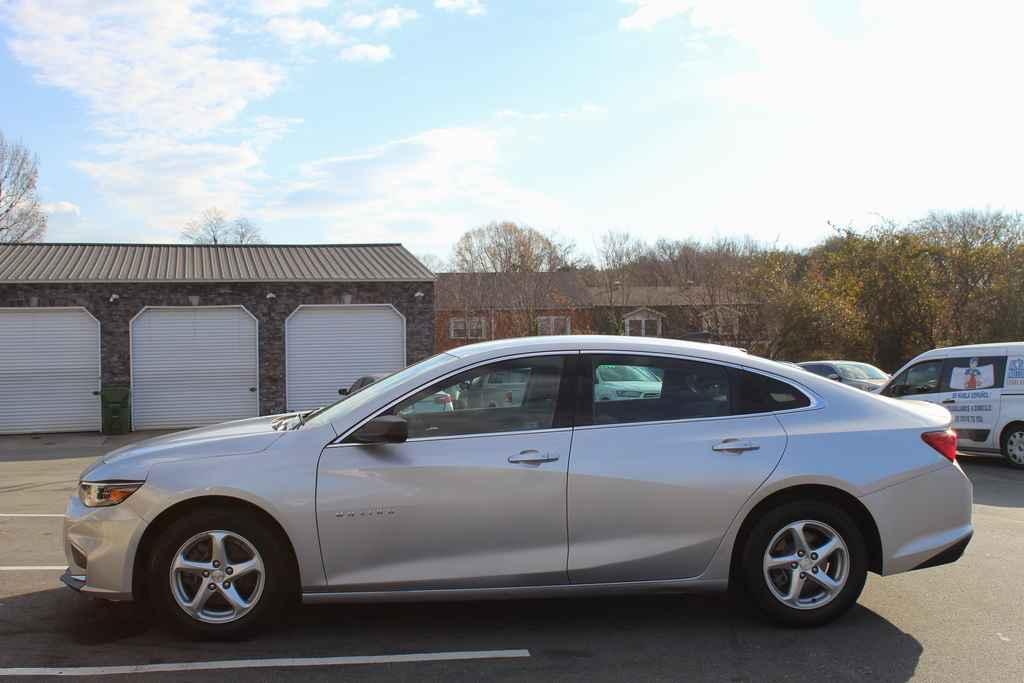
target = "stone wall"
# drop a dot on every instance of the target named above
(115, 316)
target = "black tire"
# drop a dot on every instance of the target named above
(1015, 432)
(279, 587)
(752, 572)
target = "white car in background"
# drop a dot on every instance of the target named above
(982, 385)
(626, 382)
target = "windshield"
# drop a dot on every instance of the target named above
(860, 371)
(625, 373)
(353, 401)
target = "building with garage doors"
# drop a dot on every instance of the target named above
(201, 334)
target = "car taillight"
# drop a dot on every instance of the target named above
(944, 442)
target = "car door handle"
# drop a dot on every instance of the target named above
(531, 457)
(947, 401)
(735, 446)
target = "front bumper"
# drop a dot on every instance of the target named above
(100, 545)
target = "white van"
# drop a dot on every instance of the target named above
(982, 385)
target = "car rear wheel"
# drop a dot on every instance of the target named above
(804, 563)
(1013, 447)
(218, 574)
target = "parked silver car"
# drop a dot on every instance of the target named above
(742, 472)
(860, 375)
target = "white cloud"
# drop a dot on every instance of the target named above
(139, 66)
(471, 7)
(649, 13)
(836, 118)
(296, 31)
(159, 89)
(366, 52)
(61, 207)
(584, 112)
(423, 190)
(384, 20)
(271, 8)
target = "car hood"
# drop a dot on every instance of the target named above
(632, 386)
(228, 438)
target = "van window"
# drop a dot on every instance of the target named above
(973, 372)
(922, 378)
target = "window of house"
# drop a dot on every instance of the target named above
(459, 328)
(508, 396)
(643, 327)
(553, 324)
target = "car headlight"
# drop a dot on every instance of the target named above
(101, 494)
(626, 393)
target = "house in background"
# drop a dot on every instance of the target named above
(200, 334)
(473, 307)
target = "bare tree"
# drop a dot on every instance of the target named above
(435, 263)
(511, 248)
(213, 227)
(21, 217)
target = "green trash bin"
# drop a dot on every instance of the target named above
(117, 410)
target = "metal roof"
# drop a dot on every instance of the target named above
(57, 262)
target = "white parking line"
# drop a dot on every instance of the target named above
(284, 662)
(27, 514)
(37, 567)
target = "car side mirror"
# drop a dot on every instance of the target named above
(343, 392)
(835, 377)
(382, 429)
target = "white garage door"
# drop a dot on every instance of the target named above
(49, 370)
(329, 347)
(193, 366)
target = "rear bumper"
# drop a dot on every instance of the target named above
(924, 521)
(949, 555)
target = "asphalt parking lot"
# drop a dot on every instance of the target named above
(954, 623)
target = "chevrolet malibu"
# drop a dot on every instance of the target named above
(739, 473)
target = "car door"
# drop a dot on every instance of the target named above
(476, 496)
(655, 483)
(970, 390)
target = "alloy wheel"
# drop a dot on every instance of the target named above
(1015, 447)
(217, 577)
(806, 565)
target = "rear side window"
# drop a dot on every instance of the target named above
(651, 389)
(819, 369)
(975, 372)
(756, 393)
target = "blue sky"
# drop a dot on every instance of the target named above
(415, 120)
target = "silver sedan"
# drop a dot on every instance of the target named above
(731, 471)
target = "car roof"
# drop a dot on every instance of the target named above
(594, 342)
(983, 349)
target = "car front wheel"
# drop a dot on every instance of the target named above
(805, 563)
(219, 574)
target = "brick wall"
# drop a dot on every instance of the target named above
(115, 316)
(505, 324)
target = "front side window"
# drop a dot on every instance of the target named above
(859, 371)
(509, 396)
(922, 378)
(647, 389)
(976, 372)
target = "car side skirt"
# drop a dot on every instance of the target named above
(517, 592)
